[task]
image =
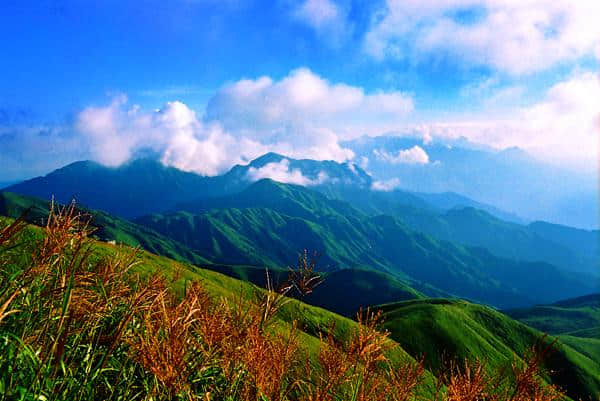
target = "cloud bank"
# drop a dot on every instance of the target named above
(562, 128)
(302, 116)
(516, 37)
(116, 132)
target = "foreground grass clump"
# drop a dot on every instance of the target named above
(76, 324)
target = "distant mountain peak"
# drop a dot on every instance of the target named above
(270, 157)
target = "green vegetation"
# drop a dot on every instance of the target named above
(82, 319)
(145, 186)
(572, 249)
(443, 330)
(577, 316)
(88, 320)
(107, 227)
(229, 232)
(67, 337)
(263, 225)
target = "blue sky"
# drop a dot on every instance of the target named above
(105, 80)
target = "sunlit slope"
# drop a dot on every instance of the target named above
(312, 322)
(577, 316)
(439, 328)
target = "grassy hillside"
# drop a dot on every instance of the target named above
(577, 316)
(153, 350)
(107, 227)
(164, 342)
(459, 329)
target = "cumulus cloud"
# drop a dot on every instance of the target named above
(385, 185)
(281, 172)
(563, 126)
(304, 115)
(414, 155)
(512, 36)
(118, 131)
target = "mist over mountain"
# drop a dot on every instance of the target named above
(145, 185)
(509, 179)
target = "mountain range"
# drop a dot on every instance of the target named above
(509, 179)
(435, 245)
(145, 186)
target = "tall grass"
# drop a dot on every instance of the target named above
(74, 326)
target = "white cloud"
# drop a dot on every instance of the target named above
(427, 138)
(318, 13)
(563, 128)
(304, 115)
(492, 94)
(326, 17)
(385, 185)
(512, 36)
(505, 97)
(116, 132)
(281, 172)
(301, 116)
(414, 155)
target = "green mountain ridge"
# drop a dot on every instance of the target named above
(269, 222)
(110, 228)
(145, 186)
(577, 316)
(107, 228)
(573, 250)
